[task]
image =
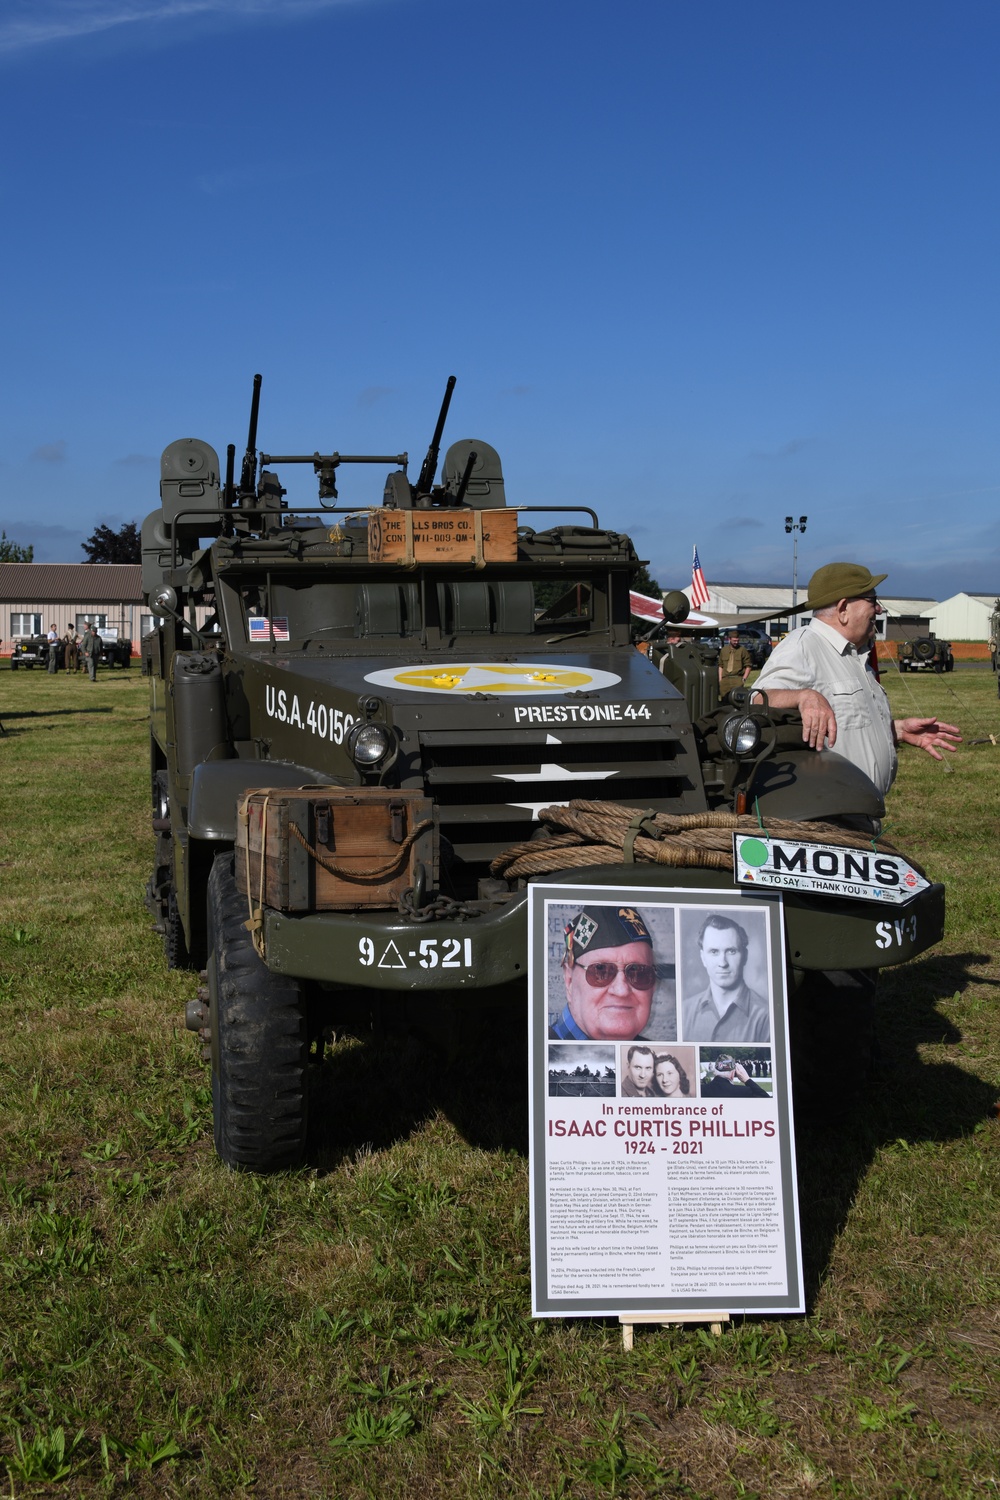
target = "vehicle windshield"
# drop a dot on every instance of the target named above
(310, 608)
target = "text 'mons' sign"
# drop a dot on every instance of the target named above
(794, 865)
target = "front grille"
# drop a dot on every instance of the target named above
(484, 809)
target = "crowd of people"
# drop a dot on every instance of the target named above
(72, 651)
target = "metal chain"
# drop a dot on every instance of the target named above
(441, 906)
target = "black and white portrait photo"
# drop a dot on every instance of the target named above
(724, 975)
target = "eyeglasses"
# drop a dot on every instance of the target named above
(637, 976)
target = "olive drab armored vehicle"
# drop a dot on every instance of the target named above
(355, 712)
(925, 654)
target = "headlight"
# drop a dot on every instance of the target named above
(367, 744)
(741, 735)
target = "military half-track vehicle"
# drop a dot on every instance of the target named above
(925, 654)
(354, 712)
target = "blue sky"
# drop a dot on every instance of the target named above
(697, 265)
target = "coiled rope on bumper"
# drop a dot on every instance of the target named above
(601, 833)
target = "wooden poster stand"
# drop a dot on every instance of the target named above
(628, 1321)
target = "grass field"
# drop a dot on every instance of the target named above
(361, 1328)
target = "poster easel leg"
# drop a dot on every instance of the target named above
(628, 1321)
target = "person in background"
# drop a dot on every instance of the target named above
(53, 640)
(734, 664)
(72, 651)
(91, 649)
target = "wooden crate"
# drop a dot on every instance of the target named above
(361, 852)
(458, 536)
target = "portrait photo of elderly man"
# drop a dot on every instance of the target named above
(717, 948)
(608, 976)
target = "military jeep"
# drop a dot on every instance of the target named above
(925, 654)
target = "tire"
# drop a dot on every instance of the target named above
(260, 1048)
(924, 650)
(174, 940)
(949, 665)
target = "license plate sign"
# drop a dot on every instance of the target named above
(826, 869)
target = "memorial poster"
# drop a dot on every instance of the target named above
(662, 1147)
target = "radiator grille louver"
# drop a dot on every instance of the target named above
(482, 812)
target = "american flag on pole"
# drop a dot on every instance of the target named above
(699, 588)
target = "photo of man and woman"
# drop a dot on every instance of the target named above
(657, 1070)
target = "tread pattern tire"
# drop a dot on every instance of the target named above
(173, 937)
(260, 1047)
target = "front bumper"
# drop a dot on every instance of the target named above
(383, 951)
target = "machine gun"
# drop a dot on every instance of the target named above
(248, 474)
(425, 479)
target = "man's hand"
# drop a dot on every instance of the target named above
(741, 1072)
(819, 723)
(927, 734)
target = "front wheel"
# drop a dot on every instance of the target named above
(260, 1047)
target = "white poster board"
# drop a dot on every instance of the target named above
(662, 1147)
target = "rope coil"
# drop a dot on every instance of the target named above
(601, 833)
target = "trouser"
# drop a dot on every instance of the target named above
(53, 656)
(92, 667)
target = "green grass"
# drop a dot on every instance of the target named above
(361, 1328)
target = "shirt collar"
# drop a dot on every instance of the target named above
(567, 1028)
(840, 643)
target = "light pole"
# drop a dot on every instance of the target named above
(796, 528)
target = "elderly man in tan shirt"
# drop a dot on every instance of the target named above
(825, 672)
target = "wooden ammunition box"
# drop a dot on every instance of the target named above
(331, 848)
(458, 536)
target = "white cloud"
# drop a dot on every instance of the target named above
(38, 22)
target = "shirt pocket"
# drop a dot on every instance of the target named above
(851, 705)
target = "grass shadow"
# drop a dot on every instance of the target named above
(907, 1100)
(372, 1093)
(53, 713)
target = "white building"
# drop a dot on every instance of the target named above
(963, 617)
(761, 598)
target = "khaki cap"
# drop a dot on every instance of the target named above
(840, 580)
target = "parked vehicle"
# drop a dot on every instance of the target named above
(32, 652)
(925, 654)
(380, 704)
